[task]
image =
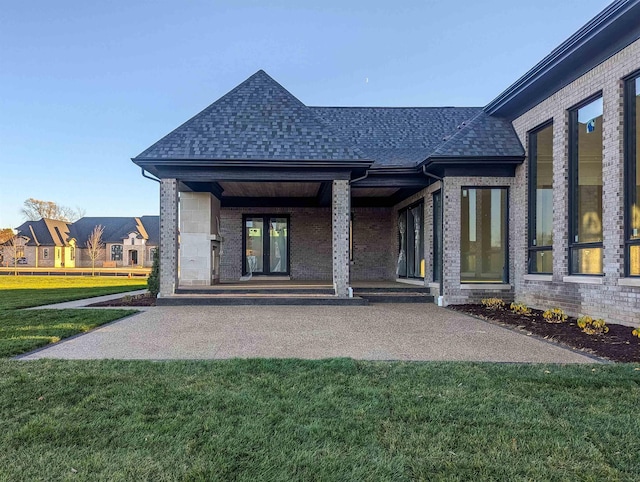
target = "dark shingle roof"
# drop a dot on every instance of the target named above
(116, 228)
(482, 136)
(260, 120)
(45, 232)
(396, 136)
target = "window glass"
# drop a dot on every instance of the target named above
(411, 242)
(483, 243)
(541, 201)
(633, 185)
(116, 252)
(586, 184)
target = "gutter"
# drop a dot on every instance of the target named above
(149, 177)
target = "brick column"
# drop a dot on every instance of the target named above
(168, 236)
(340, 214)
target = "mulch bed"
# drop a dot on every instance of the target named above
(617, 345)
(130, 300)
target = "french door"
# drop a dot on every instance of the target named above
(265, 244)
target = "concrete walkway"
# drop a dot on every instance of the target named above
(84, 303)
(375, 332)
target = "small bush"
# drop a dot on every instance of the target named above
(555, 315)
(153, 282)
(493, 303)
(520, 309)
(636, 332)
(591, 326)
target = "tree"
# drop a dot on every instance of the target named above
(35, 209)
(95, 246)
(10, 248)
(5, 235)
(153, 281)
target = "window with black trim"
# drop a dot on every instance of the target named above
(411, 242)
(632, 162)
(116, 252)
(541, 199)
(483, 235)
(585, 188)
(437, 235)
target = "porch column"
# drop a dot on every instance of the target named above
(340, 214)
(168, 236)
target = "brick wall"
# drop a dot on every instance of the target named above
(611, 299)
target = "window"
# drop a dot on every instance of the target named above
(19, 251)
(541, 200)
(72, 253)
(45, 253)
(411, 242)
(116, 252)
(632, 158)
(585, 188)
(483, 236)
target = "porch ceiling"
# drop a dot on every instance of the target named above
(270, 189)
(373, 192)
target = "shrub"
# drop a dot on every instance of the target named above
(554, 315)
(493, 303)
(591, 326)
(636, 332)
(153, 281)
(520, 309)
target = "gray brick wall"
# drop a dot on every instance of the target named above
(614, 302)
(168, 236)
(340, 215)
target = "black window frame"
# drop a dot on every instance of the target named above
(507, 230)
(573, 184)
(405, 211)
(532, 199)
(630, 167)
(116, 252)
(265, 243)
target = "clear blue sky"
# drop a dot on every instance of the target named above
(86, 85)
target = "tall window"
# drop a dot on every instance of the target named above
(632, 218)
(585, 188)
(483, 236)
(541, 200)
(116, 252)
(411, 242)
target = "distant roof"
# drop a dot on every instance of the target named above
(117, 228)
(45, 232)
(260, 120)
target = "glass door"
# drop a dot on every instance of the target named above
(411, 242)
(266, 245)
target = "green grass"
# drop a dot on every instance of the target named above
(317, 420)
(28, 291)
(23, 331)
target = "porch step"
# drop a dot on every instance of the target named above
(253, 299)
(256, 291)
(396, 297)
(405, 294)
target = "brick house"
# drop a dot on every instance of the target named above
(534, 197)
(49, 243)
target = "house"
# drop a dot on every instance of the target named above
(49, 243)
(533, 197)
(46, 244)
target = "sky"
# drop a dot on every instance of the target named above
(86, 86)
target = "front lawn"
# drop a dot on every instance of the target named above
(28, 291)
(23, 331)
(317, 420)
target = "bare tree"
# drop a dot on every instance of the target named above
(5, 235)
(95, 245)
(35, 209)
(10, 249)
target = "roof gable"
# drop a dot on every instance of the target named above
(258, 120)
(45, 232)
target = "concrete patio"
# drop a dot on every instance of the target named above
(375, 332)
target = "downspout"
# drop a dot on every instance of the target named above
(366, 174)
(149, 177)
(441, 179)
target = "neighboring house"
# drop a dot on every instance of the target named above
(535, 196)
(128, 241)
(48, 243)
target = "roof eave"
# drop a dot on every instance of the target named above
(607, 33)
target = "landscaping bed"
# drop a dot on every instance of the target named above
(145, 299)
(617, 345)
